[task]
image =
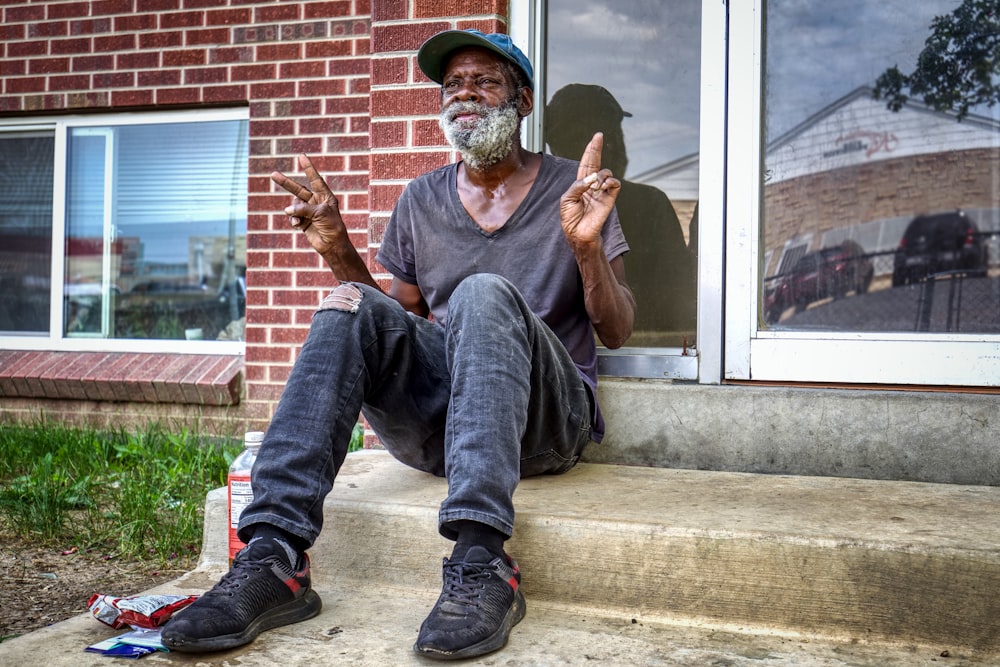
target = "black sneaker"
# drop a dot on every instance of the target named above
(480, 602)
(254, 596)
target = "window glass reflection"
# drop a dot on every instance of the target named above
(881, 207)
(156, 231)
(26, 172)
(631, 70)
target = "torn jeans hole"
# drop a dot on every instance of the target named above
(345, 296)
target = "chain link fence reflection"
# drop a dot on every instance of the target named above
(838, 289)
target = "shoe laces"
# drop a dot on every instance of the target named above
(464, 581)
(232, 580)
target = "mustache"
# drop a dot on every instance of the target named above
(459, 108)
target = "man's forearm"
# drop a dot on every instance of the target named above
(609, 302)
(347, 266)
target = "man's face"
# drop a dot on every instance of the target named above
(479, 107)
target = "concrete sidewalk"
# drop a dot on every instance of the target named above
(625, 565)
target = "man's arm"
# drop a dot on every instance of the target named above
(316, 212)
(409, 297)
(607, 296)
(584, 209)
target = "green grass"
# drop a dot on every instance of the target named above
(138, 495)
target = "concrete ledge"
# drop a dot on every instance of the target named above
(375, 626)
(842, 559)
(638, 566)
(940, 437)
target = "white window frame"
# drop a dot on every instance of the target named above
(55, 339)
(705, 363)
(752, 353)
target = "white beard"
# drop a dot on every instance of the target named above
(483, 142)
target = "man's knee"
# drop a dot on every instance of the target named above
(345, 296)
(481, 288)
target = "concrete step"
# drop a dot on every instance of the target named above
(627, 565)
(375, 626)
(841, 558)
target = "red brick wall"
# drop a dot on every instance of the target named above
(333, 78)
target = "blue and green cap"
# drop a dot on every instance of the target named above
(434, 53)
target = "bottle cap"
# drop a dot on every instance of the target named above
(252, 439)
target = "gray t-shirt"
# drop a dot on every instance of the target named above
(433, 243)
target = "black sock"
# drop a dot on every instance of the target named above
(473, 533)
(268, 539)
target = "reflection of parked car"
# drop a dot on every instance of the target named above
(940, 242)
(830, 272)
(166, 287)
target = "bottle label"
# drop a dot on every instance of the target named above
(240, 495)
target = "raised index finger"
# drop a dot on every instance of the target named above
(591, 160)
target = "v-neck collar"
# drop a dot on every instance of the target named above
(514, 218)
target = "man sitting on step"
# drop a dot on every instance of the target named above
(478, 363)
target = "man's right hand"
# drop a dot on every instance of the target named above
(315, 210)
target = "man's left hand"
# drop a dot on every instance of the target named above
(587, 203)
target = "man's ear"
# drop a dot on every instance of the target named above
(525, 102)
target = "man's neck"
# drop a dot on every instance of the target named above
(501, 171)
(491, 196)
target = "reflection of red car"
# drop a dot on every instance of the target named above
(830, 272)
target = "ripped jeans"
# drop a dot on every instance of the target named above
(489, 398)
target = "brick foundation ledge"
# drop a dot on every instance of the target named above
(200, 379)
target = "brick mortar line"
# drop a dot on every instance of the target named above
(406, 150)
(404, 119)
(216, 84)
(440, 19)
(188, 47)
(406, 87)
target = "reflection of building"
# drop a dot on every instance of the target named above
(857, 170)
(85, 258)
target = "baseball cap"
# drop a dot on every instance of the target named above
(574, 99)
(433, 54)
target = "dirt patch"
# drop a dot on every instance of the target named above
(44, 585)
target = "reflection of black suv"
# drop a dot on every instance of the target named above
(939, 242)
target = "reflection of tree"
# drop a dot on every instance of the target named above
(959, 65)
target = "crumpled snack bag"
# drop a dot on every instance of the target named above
(137, 611)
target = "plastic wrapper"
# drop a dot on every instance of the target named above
(137, 611)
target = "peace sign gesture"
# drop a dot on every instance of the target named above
(315, 210)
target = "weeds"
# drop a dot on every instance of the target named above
(139, 495)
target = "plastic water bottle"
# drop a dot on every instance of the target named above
(240, 490)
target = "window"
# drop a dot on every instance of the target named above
(26, 175)
(863, 202)
(123, 228)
